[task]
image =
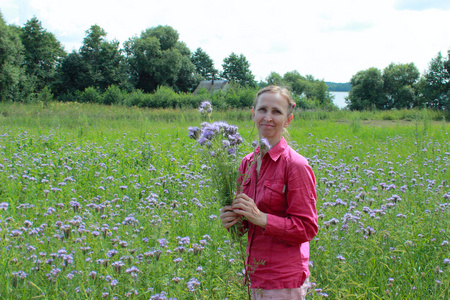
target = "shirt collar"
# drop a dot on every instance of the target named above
(276, 151)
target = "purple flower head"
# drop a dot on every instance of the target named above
(183, 240)
(205, 107)
(225, 143)
(192, 284)
(231, 129)
(162, 243)
(194, 132)
(114, 282)
(264, 144)
(254, 144)
(4, 205)
(235, 139)
(202, 140)
(232, 151)
(340, 257)
(209, 132)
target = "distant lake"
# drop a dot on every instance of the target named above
(339, 98)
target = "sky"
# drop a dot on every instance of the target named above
(328, 39)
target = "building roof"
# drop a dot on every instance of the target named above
(212, 86)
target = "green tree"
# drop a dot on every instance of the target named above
(157, 58)
(11, 59)
(187, 79)
(42, 54)
(275, 79)
(296, 82)
(237, 69)
(434, 86)
(104, 59)
(308, 87)
(398, 83)
(99, 63)
(204, 65)
(367, 91)
(73, 74)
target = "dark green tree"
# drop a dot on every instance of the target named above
(237, 69)
(204, 65)
(104, 59)
(367, 91)
(157, 58)
(434, 86)
(398, 83)
(74, 74)
(42, 54)
(187, 79)
(11, 72)
(99, 63)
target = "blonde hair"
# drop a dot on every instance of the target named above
(282, 91)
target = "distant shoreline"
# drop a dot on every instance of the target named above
(338, 87)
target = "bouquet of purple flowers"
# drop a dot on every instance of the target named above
(220, 142)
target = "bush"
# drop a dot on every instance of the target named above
(164, 97)
(90, 95)
(45, 96)
(113, 95)
(71, 97)
(135, 98)
(188, 100)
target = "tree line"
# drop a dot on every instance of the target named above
(34, 65)
(400, 86)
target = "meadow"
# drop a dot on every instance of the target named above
(109, 202)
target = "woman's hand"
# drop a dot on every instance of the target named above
(245, 206)
(228, 216)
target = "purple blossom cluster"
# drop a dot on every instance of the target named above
(205, 108)
(227, 134)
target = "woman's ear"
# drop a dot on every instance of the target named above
(253, 113)
(288, 120)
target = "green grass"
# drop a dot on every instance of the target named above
(83, 180)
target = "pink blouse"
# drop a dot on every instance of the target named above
(277, 256)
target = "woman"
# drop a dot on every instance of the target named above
(278, 203)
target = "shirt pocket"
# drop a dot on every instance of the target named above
(274, 196)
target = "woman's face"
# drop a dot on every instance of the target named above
(270, 116)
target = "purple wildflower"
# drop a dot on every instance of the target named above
(194, 132)
(264, 144)
(192, 283)
(205, 107)
(162, 243)
(4, 205)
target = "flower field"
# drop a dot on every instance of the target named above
(114, 203)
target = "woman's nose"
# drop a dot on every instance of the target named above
(268, 117)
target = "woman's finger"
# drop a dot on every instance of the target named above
(229, 224)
